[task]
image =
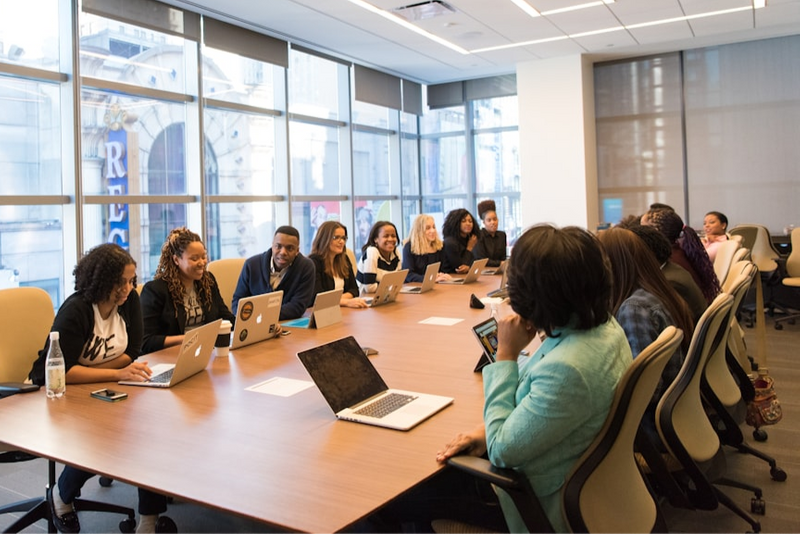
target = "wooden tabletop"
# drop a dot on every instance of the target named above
(286, 461)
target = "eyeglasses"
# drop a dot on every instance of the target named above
(340, 238)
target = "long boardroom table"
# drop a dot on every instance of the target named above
(286, 461)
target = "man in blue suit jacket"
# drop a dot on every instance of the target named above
(282, 268)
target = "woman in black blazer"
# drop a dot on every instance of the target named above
(182, 295)
(334, 269)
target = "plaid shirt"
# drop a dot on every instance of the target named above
(643, 318)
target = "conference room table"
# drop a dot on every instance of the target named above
(283, 460)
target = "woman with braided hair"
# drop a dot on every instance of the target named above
(182, 295)
(687, 249)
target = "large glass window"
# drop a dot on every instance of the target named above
(29, 33)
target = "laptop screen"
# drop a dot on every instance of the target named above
(342, 372)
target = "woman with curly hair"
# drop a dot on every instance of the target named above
(334, 270)
(182, 295)
(687, 249)
(422, 248)
(460, 237)
(100, 333)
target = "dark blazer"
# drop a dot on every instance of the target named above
(75, 326)
(490, 246)
(325, 281)
(417, 263)
(159, 316)
(297, 284)
(455, 254)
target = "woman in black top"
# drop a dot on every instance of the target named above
(182, 295)
(491, 241)
(422, 248)
(460, 237)
(334, 269)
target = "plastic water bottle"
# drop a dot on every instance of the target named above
(54, 369)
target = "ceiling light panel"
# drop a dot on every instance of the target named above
(593, 18)
(638, 12)
(723, 23)
(507, 29)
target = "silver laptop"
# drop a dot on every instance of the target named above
(356, 392)
(428, 280)
(257, 319)
(500, 269)
(475, 271)
(502, 291)
(325, 312)
(193, 357)
(388, 288)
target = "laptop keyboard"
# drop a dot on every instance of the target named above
(162, 378)
(385, 405)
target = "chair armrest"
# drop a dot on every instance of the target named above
(512, 482)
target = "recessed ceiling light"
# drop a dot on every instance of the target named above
(424, 10)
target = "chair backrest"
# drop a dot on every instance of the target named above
(762, 251)
(26, 314)
(724, 258)
(793, 261)
(717, 373)
(353, 262)
(227, 272)
(740, 267)
(741, 254)
(607, 477)
(681, 419)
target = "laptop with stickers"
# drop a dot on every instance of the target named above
(257, 319)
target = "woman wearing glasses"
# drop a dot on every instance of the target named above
(334, 270)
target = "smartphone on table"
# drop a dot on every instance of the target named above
(109, 395)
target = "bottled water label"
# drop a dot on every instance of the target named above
(55, 382)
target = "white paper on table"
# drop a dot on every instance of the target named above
(441, 321)
(282, 387)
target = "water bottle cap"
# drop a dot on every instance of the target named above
(53, 335)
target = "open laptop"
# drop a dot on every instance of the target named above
(388, 288)
(428, 280)
(502, 291)
(193, 357)
(475, 271)
(500, 269)
(356, 392)
(325, 312)
(257, 319)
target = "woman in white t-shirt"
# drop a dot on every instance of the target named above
(378, 256)
(100, 334)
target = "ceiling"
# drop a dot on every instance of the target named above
(343, 29)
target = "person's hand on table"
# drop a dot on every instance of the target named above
(136, 371)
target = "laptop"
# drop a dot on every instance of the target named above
(500, 269)
(193, 357)
(388, 288)
(325, 312)
(257, 319)
(428, 280)
(502, 291)
(475, 271)
(356, 392)
(486, 333)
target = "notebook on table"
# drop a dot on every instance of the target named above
(474, 272)
(356, 392)
(388, 288)
(428, 280)
(193, 357)
(325, 312)
(257, 319)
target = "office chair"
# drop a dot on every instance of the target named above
(762, 252)
(724, 259)
(606, 478)
(226, 272)
(28, 313)
(725, 388)
(686, 431)
(792, 278)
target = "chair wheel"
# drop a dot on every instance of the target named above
(760, 435)
(127, 525)
(105, 481)
(778, 326)
(777, 474)
(166, 524)
(758, 506)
